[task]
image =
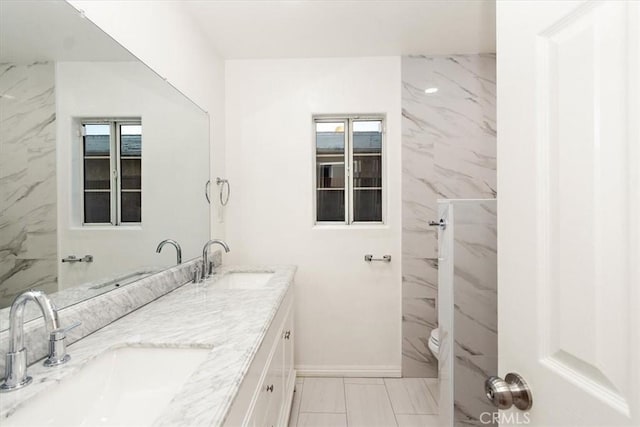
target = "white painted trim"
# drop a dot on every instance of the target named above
(349, 371)
(288, 400)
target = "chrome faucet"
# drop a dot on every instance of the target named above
(175, 245)
(207, 268)
(16, 360)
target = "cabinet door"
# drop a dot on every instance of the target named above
(277, 384)
(261, 408)
(273, 416)
(269, 393)
(288, 337)
(256, 401)
(267, 409)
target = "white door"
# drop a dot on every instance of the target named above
(569, 208)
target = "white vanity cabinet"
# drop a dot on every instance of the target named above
(266, 393)
(288, 336)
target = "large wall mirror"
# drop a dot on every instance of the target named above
(100, 159)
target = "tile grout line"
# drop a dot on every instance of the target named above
(324, 413)
(346, 410)
(395, 416)
(424, 380)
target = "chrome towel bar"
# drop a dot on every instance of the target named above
(370, 258)
(441, 223)
(73, 258)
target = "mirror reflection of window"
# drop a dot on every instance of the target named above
(112, 172)
(97, 173)
(131, 173)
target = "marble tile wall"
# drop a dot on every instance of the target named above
(445, 314)
(448, 151)
(467, 312)
(475, 311)
(28, 221)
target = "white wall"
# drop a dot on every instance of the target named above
(163, 36)
(348, 312)
(175, 147)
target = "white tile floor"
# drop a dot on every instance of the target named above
(365, 402)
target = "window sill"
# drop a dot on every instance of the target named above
(136, 227)
(358, 226)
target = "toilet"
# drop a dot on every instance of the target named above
(434, 343)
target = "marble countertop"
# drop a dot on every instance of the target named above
(230, 322)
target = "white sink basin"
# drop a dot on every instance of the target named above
(128, 386)
(243, 280)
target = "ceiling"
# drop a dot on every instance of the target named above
(52, 31)
(335, 28)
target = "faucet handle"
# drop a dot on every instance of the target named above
(197, 274)
(61, 333)
(57, 347)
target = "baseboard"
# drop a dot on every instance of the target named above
(358, 371)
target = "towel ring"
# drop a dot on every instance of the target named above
(222, 182)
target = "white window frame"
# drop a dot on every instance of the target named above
(115, 189)
(349, 189)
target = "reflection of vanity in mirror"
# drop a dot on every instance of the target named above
(101, 160)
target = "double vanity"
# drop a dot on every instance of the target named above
(216, 352)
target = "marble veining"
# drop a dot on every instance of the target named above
(230, 322)
(468, 316)
(448, 152)
(99, 311)
(475, 314)
(28, 219)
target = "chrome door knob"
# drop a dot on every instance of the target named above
(513, 390)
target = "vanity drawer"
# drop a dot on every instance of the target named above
(253, 404)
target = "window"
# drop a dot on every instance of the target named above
(112, 171)
(349, 162)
